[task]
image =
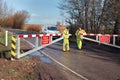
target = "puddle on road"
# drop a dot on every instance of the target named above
(45, 60)
(37, 53)
(42, 57)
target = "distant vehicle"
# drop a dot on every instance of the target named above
(50, 30)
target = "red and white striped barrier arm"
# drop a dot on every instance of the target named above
(37, 35)
(100, 34)
(40, 35)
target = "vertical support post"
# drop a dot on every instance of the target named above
(40, 41)
(6, 38)
(18, 47)
(36, 42)
(97, 38)
(13, 47)
(51, 37)
(113, 39)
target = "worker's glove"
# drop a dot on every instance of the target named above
(81, 36)
(84, 33)
(70, 34)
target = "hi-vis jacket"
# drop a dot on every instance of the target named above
(79, 33)
(66, 34)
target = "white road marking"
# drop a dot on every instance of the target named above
(79, 75)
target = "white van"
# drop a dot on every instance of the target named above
(50, 29)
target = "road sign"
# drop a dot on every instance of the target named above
(45, 40)
(105, 38)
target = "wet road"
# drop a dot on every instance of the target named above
(94, 64)
(90, 62)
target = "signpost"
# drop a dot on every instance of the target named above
(6, 38)
(45, 40)
(105, 38)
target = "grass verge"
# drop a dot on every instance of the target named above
(5, 50)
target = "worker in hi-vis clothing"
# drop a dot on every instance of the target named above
(66, 36)
(79, 37)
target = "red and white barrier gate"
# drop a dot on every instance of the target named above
(104, 39)
(46, 40)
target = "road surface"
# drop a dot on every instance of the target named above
(90, 62)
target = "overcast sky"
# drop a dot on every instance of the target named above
(41, 11)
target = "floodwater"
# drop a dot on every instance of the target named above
(42, 57)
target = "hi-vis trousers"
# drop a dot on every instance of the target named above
(66, 44)
(79, 43)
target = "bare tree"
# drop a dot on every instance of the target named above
(95, 15)
(102, 16)
(10, 19)
(111, 16)
(5, 12)
(115, 12)
(20, 18)
(75, 12)
(83, 13)
(86, 15)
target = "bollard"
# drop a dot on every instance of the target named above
(13, 48)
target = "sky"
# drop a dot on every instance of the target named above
(41, 11)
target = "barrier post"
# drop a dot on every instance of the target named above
(6, 38)
(36, 42)
(18, 47)
(51, 38)
(113, 39)
(97, 38)
(13, 48)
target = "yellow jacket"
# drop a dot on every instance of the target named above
(79, 33)
(66, 34)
